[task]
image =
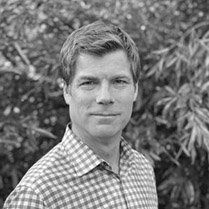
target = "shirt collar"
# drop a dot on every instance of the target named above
(127, 157)
(84, 159)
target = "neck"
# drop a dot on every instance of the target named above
(107, 149)
(110, 153)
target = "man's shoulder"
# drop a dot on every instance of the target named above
(46, 170)
(138, 159)
(44, 179)
(141, 160)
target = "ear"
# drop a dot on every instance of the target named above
(66, 93)
(136, 91)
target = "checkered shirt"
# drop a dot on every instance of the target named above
(71, 175)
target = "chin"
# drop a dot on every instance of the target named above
(105, 133)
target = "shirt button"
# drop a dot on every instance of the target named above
(104, 164)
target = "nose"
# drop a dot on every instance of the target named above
(104, 95)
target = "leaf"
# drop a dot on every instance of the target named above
(203, 114)
(182, 57)
(185, 150)
(203, 44)
(171, 61)
(161, 64)
(184, 89)
(10, 70)
(170, 90)
(7, 111)
(9, 142)
(161, 51)
(43, 132)
(167, 107)
(190, 191)
(192, 139)
(164, 101)
(207, 61)
(205, 137)
(192, 49)
(205, 87)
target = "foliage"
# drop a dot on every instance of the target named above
(170, 119)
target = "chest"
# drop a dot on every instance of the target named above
(102, 189)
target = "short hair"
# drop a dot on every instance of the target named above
(98, 39)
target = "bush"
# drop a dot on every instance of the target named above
(170, 119)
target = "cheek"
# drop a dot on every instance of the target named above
(80, 104)
(129, 106)
(126, 106)
(126, 110)
(127, 99)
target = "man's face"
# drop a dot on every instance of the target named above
(101, 95)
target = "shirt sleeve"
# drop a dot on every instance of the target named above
(24, 198)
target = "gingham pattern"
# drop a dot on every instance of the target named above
(72, 176)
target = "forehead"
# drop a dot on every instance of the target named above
(110, 64)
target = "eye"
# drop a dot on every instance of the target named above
(87, 83)
(120, 81)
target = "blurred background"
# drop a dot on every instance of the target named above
(170, 122)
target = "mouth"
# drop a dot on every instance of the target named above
(105, 118)
(105, 114)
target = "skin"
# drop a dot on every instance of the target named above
(100, 99)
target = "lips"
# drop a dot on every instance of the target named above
(105, 114)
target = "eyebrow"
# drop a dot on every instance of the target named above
(95, 78)
(122, 77)
(87, 77)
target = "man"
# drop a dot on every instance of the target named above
(93, 166)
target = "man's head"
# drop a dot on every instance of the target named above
(97, 39)
(101, 71)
